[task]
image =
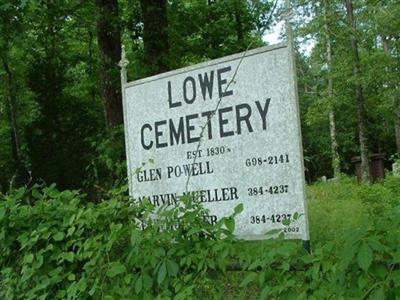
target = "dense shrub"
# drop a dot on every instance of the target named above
(365, 267)
(56, 245)
(355, 232)
(355, 236)
(335, 207)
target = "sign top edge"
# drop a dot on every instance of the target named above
(206, 64)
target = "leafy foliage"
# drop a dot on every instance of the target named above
(323, 21)
(56, 245)
(51, 62)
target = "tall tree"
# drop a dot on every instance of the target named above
(395, 94)
(239, 22)
(47, 136)
(332, 113)
(397, 120)
(388, 21)
(155, 35)
(20, 170)
(109, 40)
(320, 89)
(11, 28)
(361, 114)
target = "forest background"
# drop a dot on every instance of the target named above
(60, 101)
(62, 148)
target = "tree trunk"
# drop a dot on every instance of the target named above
(109, 40)
(239, 24)
(209, 36)
(91, 65)
(334, 145)
(397, 122)
(21, 174)
(396, 99)
(332, 115)
(361, 114)
(155, 35)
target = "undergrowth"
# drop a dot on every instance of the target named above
(57, 245)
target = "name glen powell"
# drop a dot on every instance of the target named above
(192, 169)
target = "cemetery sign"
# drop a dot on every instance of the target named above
(227, 131)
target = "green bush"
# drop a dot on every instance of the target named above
(54, 245)
(366, 266)
(335, 207)
(355, 253)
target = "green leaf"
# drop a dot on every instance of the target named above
(36, 194)
(265, 292)
(71, 220)
(194, 230)
(59, 236)
(53, 192)
(378, 294)
(396, 257)
(249, 278)
(138, 284)
(160, 251)
(20, 193)
(2, 213)
(147, 282)
(69, 256)
(273, 232)
(255, 264)
(28, 259)
(230, 224)
(5, 6)
(239, 208)
(172, 268)
(72, 290)
(61, 294)
(115, 268)
(291, 295)
(286, 222)
(364, 257)
(162, 273)
(379, 271)
(23, 3)
(362, 282)
(71, 277)
(94, 287)
(82, 285)
(128, 278)
(71, 231)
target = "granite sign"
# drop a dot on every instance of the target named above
(227, 131)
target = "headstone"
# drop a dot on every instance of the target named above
(227, 131)
(396, 168)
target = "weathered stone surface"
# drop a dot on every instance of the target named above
(233, 125)
(396, 168)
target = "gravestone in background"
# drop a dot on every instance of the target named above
(396, 168)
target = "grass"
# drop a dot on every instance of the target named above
(335, 207)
